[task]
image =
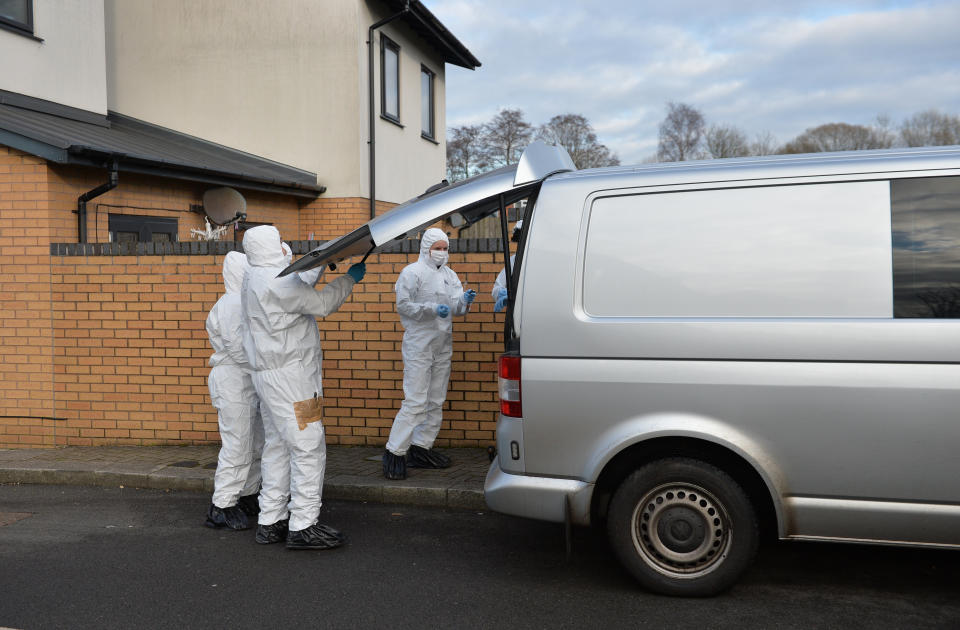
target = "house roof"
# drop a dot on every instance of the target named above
(66, 135)
(427, 26)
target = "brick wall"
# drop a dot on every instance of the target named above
(104, 344)
(26, 334)
(329, 218)
(130, 354)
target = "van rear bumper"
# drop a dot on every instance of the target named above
(541, 498)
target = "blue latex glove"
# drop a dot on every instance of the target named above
(443, 310)
(469, 296)
(501, 301)
(357, 271)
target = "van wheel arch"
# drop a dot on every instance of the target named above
(642, 453)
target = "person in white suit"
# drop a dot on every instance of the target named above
(282, 343)
(237, 480)
(428, 293)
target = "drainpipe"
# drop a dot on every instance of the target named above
(372, 143)
(90, 194)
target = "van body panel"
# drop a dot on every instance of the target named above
(814, 429)
(563, 328)
(825, 250)
(875, 521)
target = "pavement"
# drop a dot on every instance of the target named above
(353, 473)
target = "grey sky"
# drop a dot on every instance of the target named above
(763, 66)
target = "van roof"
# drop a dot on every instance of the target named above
(779, 166)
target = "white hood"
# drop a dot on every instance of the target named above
(263, 247)
(234, 268)
(430, 237)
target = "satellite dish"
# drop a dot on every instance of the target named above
(224, 205)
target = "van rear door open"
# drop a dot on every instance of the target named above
(472, 199)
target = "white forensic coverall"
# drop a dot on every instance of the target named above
(283, 346)
(427, 345)
(232, 392)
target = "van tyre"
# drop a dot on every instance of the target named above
(683, 527)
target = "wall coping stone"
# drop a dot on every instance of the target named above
(220, 248)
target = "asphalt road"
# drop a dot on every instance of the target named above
(75, 557)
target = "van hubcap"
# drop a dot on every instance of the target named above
(681, 530)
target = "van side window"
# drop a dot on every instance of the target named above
(926, 246)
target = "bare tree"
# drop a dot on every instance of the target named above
(506, 136)
(838, 137)
(724, 141)
(764, 143)
(575, 134)
(465, 152)
(883, 127)
(681, 133)
(930, 128)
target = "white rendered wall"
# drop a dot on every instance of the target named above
(406, 163)
(68, 66)
(282, 79)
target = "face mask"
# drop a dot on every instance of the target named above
(439, 258)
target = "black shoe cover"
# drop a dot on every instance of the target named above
(316, 536)
(269, 534)
(419, 457)
(250, 504)
(394, 466)
(231, 518)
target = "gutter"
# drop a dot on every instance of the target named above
(91, 156)
(372, 142)
(90, 194)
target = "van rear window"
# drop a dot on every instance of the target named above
(926, 246)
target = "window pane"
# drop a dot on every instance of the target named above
(426, 102)
(391, 83)
(926, 247)
(130, 228)
(15, 10)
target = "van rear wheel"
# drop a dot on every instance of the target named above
(683, 527)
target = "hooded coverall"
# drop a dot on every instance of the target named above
(427, 345)
(232, 393)
(283, 346)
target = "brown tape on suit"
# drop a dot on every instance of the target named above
(307, 411)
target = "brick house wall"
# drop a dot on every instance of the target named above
(106, 345)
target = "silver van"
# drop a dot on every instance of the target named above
(700, 352)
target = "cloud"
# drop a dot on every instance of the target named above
(757, 65)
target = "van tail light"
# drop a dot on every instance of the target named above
(510, 386)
